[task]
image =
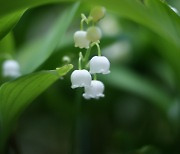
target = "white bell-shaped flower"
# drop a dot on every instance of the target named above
(95, 90)
(11, 68)
(99, 64)
(80, 78)
(94, 34)
(80, 39)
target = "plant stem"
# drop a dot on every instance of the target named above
(95, 77)
(75, 136)
(99, 50)
(81, 25)
(80, 61)
(82, 21)
(98, 47)
(86, 58)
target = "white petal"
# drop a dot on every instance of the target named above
(99, 64)
(11, 68)
(80, 78)
(81, 40)
(95, 90)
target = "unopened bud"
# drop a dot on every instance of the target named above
(66, 59)
(97, 13)
(94, 34)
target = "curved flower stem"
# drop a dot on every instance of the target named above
(84, 19)
(98, 47)
(86, 58)
(95, 77)
(80, 60)
(81, 25)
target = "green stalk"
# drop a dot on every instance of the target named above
(75, 136)
(86, 58)
(80, 61)
(84, 19)
(99, 49)
(95, 77)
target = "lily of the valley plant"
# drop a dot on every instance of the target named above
(98, 64)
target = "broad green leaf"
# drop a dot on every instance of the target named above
(7, 22)
(7, 45)
(148, 16)
(16, 95)
(7, 48)
(167, 21)
(128, 80)
(33, 54)
(158, 17)
(9, 6)
(171, 54)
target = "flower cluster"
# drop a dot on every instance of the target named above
(98, 64)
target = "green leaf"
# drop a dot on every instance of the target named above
(9, 6)
(7, 48)
(156, 15)
(171, 54)
(33, 54)
(7, 45)
(16, 95)
(128, 80)
(159, 18)
(8, 22)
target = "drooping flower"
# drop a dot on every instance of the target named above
(94, 34)
(80, 39)
(95, 90)
(80, 78)
(97, 13)
(11, 68)
(99, 64)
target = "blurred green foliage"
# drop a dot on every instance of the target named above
(140, 113)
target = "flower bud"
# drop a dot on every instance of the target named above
(97, 13)
(95, 90)
(80, 78)
(94, 34)
(99, 64)
(81, 40)
(66, 59)
(11, 69)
